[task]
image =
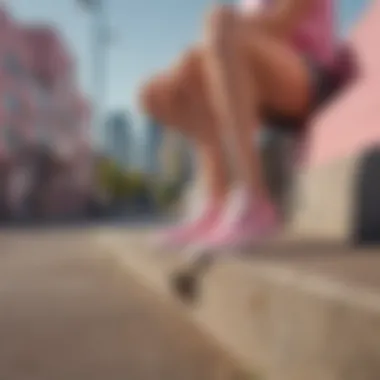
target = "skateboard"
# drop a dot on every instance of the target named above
(186, 281)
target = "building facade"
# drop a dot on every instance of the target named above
(41, 105)
(153, 136)
(119, 142)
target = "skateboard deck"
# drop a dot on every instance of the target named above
(186, 281)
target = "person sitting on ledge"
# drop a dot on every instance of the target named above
(255, 61)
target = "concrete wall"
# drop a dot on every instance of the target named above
(351, 122)
(343, 152)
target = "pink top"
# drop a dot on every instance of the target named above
(315, 35)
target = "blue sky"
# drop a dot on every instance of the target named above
(148, 36)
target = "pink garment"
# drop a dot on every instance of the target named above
(315, 35)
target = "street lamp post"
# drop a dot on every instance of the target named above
(100, 42)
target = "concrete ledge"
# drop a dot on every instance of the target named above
(292, 313)
(340, 200)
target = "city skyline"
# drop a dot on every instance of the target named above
(119, 137)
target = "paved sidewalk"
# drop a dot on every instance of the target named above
(305, 310)
(68, 314)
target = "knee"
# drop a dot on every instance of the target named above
(220, 27)
(152, 97)
(166, 93)
(161, 99)
(148, 95)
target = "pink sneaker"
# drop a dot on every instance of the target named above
(243, 225)
(178, 237)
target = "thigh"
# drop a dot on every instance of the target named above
(188, 77)
(281, 75)
(177, 97)
(159, 99)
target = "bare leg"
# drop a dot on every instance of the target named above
(247, 71)
(178, 100)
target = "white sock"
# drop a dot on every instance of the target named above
(239, 202)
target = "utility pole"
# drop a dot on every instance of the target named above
(100, 35)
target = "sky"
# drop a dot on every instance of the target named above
(147, 36)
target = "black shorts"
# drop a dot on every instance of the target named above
(323, 84)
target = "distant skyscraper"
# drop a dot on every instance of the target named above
(152, 142)
(166, 154)
(119, 137)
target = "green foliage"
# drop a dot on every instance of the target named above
(167, 193)
(119, 183)
(123, 185)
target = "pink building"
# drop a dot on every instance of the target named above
(55, 91)
(16, 101)
(40, 103)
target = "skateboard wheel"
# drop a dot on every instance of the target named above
(185, 286)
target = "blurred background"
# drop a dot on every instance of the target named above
(67, 152)
(83, 303)
(73, 143)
